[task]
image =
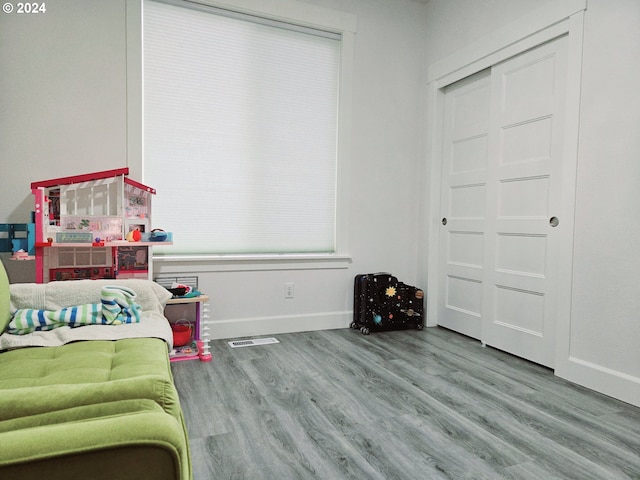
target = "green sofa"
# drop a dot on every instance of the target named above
(77, 404)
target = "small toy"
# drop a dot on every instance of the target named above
(134, 235)
(181, 334)
(158, 235)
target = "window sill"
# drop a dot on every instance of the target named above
(237, 263)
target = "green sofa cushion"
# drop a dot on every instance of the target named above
(40, 380)
(84, 362)
(5, 299)
(143, 444)
(80, 414)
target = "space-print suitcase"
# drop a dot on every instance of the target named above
(381, 302)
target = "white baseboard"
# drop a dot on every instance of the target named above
(601, 379)
(248, 327)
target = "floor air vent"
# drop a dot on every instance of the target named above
(252, 342)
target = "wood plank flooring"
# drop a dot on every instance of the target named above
(428, 404)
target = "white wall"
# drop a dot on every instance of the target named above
(605, 320)
(455, 24)
(63, 102)
(603, 338)
(73, 60)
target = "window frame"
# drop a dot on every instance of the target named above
(306, 15)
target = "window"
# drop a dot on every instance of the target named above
(241, 131)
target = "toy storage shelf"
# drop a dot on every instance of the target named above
(198, 348)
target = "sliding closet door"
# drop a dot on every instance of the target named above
(463, 194)
(500, 203)
(523, 218)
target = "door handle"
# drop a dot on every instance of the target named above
(444, 220)
(554, 222)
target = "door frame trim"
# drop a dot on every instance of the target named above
(545, 24)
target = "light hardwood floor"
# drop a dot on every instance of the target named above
(416, 405)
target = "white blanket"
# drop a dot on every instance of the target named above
(56, 295)
(151, 325)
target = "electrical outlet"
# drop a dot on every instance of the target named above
(288, 290)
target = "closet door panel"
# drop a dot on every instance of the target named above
(463, 196)
(523, 194)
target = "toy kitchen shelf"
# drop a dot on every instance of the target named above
(95, 225)
(197, 347)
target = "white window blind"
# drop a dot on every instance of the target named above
(240, 132)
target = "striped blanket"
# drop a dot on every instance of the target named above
(117, 306)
